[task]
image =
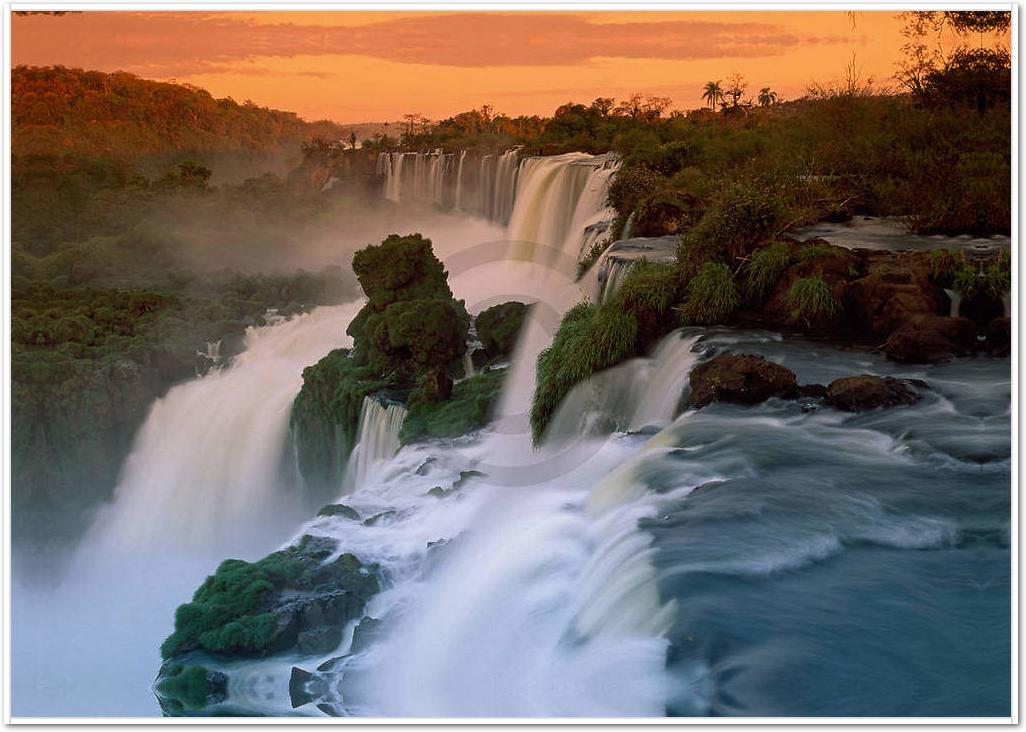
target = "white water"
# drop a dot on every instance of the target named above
(557, 198)
(206, 464)
(544, 603)
(377, 441)
(632, 395)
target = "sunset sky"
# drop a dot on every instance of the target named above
(376, 66)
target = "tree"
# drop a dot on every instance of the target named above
(767, 97)
(352, 139)
(712, 93)
(640, 107)
(603, 105)
(736, 86)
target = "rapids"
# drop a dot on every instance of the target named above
(775, 560)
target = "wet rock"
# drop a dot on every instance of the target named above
(305, 687)
(895, 290)
(864, 392)
(744, 379)
(999, 337)
(339, 509)
(319, 640)
(931, 339)
(366, 632)
(379, 517)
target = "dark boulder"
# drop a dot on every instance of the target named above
(999, 337)
(744, 379)
(864, 392)
(931, 339)
(339, 509)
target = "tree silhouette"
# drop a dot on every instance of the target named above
(712, 93)
(767, 97)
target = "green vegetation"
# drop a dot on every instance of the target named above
(188, 685)
(92, 114)
(590, 338)
(764, 268)
(468, 409)
(498, 328)
(712, 295)
(810, 300)
(407, 341)
(234, 611)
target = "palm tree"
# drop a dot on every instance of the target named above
(712, 93)
(767, 97)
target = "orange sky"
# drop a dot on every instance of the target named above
(376, 66)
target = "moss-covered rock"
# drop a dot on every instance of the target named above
(498, 328)
(467, 409)
(408, 339)
(272, 605)
(339, 509)
(184, 688)
(326, 415)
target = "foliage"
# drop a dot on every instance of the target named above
(118, 115)
(765, 267)
(498, 328)
(810, 300)
(589, 339)
(712, 295)
(468, 409)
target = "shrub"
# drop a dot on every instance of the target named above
(764, 269)
(712, 295)
(811, 251)
(945, 266)
(739, 217)
(811, 299)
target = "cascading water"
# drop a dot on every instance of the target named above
(207, 463)
(557, 199)
(377, 440)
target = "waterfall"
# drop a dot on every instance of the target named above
(956, 302)
(614, 273)
(557, 199)
(458, 198)
(468, 363)
(205, 470)
(377, 441)
(632, 395)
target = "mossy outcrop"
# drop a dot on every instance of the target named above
(407, 340)
(294, 599)
(498, 328)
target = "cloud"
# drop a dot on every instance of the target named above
(190, 43)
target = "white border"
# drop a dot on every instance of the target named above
(539, 5)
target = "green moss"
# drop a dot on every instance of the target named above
(189, 685)
(400, 268)
(469, 408)
(811, 299)
(326, 414)
(498, 328)
(233, 612)
(764, 269)
(588, 340)
(712, 295)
